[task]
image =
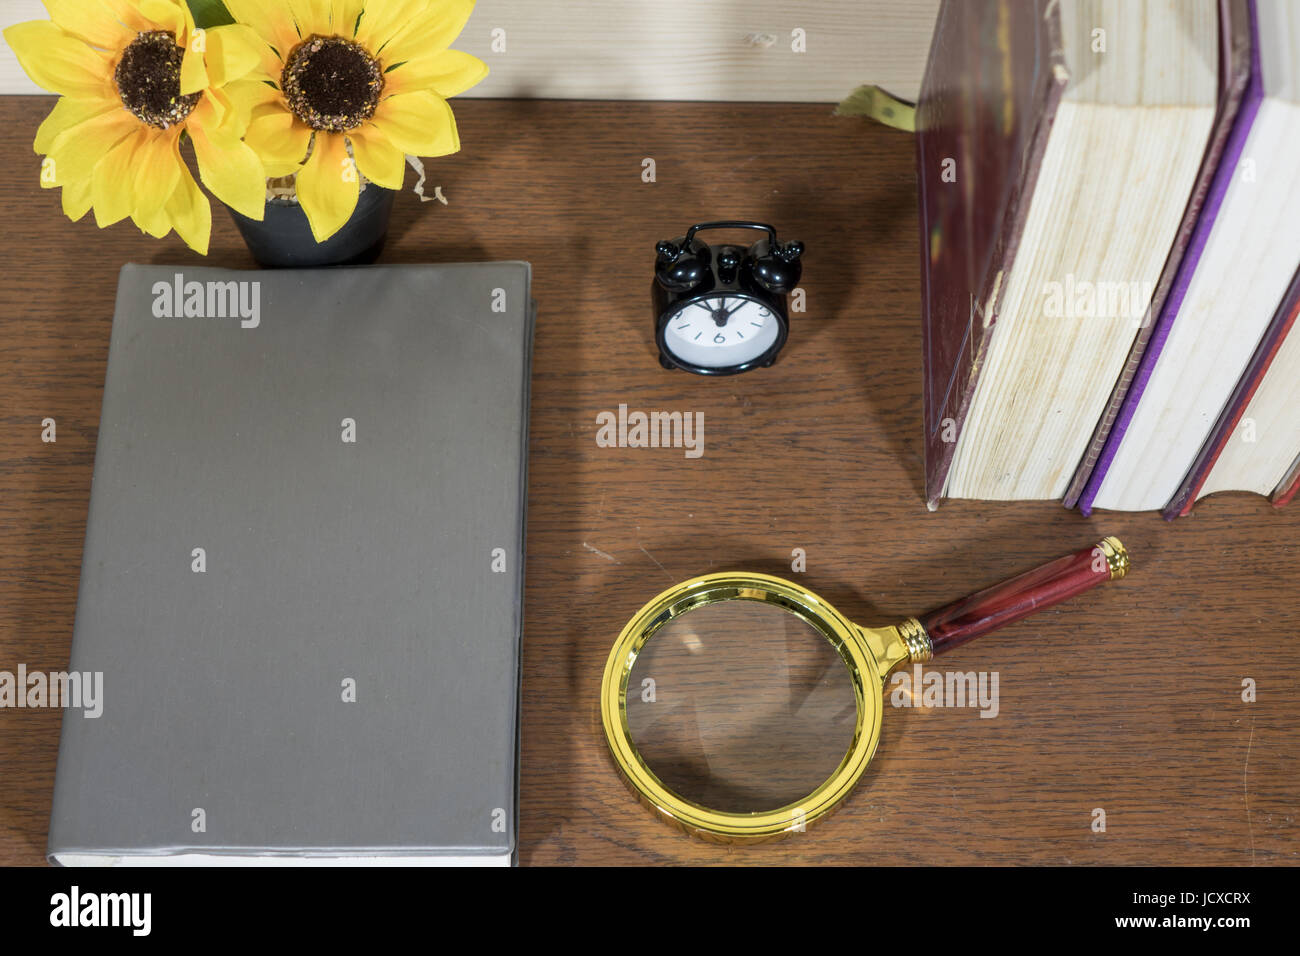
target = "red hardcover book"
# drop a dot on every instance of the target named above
(1016, 98)
(992, 85)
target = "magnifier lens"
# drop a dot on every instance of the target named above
(741, 706)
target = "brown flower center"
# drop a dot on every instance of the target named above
(148, 79)
(332, 83)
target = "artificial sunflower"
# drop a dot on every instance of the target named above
(134, 75)
(354, 85)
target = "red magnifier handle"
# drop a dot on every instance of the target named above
(1056, 581)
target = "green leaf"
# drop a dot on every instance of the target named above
(210, 13)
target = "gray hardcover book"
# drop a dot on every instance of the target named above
(303, 570)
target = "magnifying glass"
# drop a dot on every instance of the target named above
(742, 707)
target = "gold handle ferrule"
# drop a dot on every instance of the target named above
(1116, 557)
(919, 648)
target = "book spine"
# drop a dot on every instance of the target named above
(992, 85)
(1222, 173)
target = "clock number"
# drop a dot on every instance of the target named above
(719, 339)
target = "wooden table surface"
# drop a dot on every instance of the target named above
(1128, 699)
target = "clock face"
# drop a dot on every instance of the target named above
(721, 331)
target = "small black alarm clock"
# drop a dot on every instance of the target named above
(719, 311)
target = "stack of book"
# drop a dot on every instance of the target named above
(1110, 212)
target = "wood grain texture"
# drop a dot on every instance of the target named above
(1127, 698)
(671, 49)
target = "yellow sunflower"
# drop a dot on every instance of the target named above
(134, 75)
(354, 85)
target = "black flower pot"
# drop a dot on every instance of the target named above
(283, 239)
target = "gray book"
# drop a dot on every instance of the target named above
(302, 582)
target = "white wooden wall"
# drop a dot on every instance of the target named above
(670, 49)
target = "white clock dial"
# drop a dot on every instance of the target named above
(720, 331)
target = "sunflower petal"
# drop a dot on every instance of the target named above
(434, 27)
(67, 113)
(218, 117)
(281, 140)
(419, 123)
(165, 14)
(194, 72)
(344, 15)
(91, 20)
(59, 62)
(271, 22)
(190, 213)
(233, 172)
(379, 160)
(380, 22)
(170, 15)
(77, 150)
(249, 96)
(157, 169)
(154, 222)
(269, 65)
(122, 10)
(76, 199)
(234, 51)
(112, 186)
(446, 72)
(328, 186)
(312, 16)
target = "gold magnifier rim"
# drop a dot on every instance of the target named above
(693, 818)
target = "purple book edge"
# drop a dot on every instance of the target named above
(1204, 226)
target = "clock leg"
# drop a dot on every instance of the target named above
(665, 363)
